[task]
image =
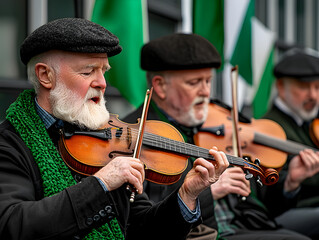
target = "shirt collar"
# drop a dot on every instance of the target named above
(46, 117)
(284, 107)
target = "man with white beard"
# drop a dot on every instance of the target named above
(180, 70)
(295, 108)
(41, 197)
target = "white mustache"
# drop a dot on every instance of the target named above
(200, 99)
(93, 93)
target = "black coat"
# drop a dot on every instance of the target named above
(26, 214)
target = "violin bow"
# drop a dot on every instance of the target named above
(139, 141)
(234, 112)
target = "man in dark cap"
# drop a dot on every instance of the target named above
(294, 108)
(43, 197)
(180, 68)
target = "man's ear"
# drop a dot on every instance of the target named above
(44, 74)
(159, 85)
(280, 85)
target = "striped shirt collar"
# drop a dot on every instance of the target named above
(46, 117)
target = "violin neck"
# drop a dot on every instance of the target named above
(282, 145)
(185, 149)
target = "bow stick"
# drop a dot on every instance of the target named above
(139, 141)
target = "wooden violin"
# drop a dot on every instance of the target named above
(314, 131)
(260, 138)
(164, 152)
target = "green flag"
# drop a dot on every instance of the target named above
(263, 48)
(124, 18)
(208, 21)
(243, 41)
(242, 53)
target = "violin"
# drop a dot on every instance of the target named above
(260, 138)
(314, 131)
(164, 152)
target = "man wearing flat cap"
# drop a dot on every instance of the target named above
(44, 194)
(180, 68)
(295, 108)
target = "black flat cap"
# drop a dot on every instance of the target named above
(70, 34)
(302, 64)
(179, 52)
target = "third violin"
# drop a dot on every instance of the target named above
(260, 138)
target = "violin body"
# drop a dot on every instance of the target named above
(217, 130)
(260, 138)
(87, 152)
(314, 131)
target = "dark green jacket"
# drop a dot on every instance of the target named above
(309, 196)
(250, 214)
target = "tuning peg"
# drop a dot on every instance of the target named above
(257, 161)
(259, 181)
(248, 175)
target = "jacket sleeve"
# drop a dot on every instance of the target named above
(25, 214)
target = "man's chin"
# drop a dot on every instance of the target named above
(308, 115)
(191, 122)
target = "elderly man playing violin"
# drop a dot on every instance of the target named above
(40, 197)
(295, 108)
(180, 68)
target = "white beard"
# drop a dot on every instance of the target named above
(298, 108)
(306, 116)
(68, 106)
(188, 118)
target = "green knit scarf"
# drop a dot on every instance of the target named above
(55, 174)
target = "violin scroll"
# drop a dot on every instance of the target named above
(269, 176)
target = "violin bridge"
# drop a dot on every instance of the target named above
(119, 132)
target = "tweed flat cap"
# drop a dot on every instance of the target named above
(179, 52)
(70, 34)
(302, 64)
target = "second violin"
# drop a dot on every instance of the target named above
(260, 138)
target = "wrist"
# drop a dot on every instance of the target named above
(290, 185)
(102, 183)
(188, 199)
(215, 194)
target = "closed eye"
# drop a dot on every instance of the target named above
(194, 82)
(86, 73)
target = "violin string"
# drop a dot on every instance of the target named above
(182, 145)
(202, 152)
(160, 141)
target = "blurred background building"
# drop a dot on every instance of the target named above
(290, 23)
